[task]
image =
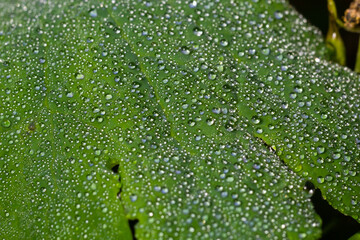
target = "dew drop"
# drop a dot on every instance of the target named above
(210, 121)
(93, 13)
(198, 32)
(230, 179)
(328, 178)
(320, 149)
(80, 76)
(6, 123)
(224, 43)
(266, 51)
(108, 97)
(185, 51)
(255, 120)
(97, 152)
(212, 76)
(192, 4)
(133, 198)
(320, 180)
(278, 15)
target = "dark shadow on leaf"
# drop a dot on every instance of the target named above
(335, 225)
(132, 223)
(115, 169)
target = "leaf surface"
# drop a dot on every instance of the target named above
(214, 112)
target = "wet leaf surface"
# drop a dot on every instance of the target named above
(213, 114)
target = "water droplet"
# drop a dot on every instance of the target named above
(210, 121)
(336, 156)
(220, 67)
(230, 179)
(278, 15)
(302, 235)
(185, 51)
(324, 116)
(191, 123)
(255, 120)
(93, 13)
(320, 149)
(80, 76)
(212, 76)
(298, 168)
(224, 43)
(293, 95)
(192, 4)
(266, 51)
(298, 89)
(198, 32)
(320, 179)
(6, 123)
(216, 110)
(99, 119)
(252, 51)
(133, 198)
(328, 178)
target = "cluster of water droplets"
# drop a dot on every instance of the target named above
(195, 104)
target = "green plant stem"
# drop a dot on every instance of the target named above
(333, 37)
(339, 22)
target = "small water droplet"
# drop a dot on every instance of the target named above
(298, 168)
(6, 123)
(320, 149)
(328, 178)
(266, 51)
(210, 121)
(336, 156)
(93, 13)
(192, 4)
(198, 32)
(255, 120)
(320, 180)
(212, 76)
(230, 179)
(185, 51)
(278, 15)
(293, 95)
(133, 198)
(80, 76)
(224, 43)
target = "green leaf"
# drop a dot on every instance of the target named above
(215, 113)
(355, 237)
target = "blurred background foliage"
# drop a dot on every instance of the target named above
(316, 12)
(335, 225)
